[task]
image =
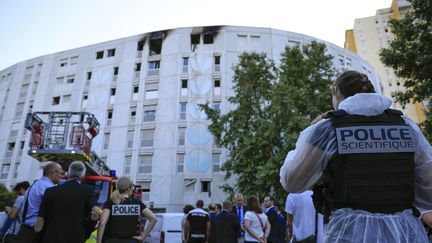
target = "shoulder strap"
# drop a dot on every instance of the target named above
(24, 215)
(262, 225)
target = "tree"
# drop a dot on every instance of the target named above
(7, 198)
(272, 105)
(410, 56)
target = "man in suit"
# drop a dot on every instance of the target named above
(271, 213)
(65, 213)
(239, 211)
(227, 225)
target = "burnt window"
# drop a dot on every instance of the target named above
(89, 75)
(110, 114)
(116, 69)
(195, 39)
(140, 45)
(135, 89)
(99, 55)
(111, 52)
(208, 38)
(113, 91)
(137, 66)
(155, 46)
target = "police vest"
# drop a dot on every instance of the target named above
(373, 169)
(124, 220)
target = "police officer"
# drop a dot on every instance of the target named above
(198, 224)
(372, 166)
(120, 218)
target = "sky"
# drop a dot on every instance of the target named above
(32, 28)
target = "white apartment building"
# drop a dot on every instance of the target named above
(144, 90)
(368, 36)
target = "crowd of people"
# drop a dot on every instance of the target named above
(49, 211)
(234, 222)
(343, 174)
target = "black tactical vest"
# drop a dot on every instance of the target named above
(373, 169)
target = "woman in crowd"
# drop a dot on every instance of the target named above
(255, 222)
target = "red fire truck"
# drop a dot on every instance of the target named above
(64, 137)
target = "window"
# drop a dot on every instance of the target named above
(84, 102)
(182, 111)
(14, 130)
(190, 185)
(216, 162)
(208, 38)
(128, 162)
(147, 138)
(149, 114)
(112, 91)
(205, 186)
(184, 83)
(132, 115)
(145, 164)
(153, 68)
(136, 89)
(217, 60)
(217, 83)
(185, 62)
(195, 39)
(109, 117)
(130, 138)
(140, 46)
(116, 70)
(60, 80)
(24, 90)
(99, 54)
(154, 65)
(63, 62)
(181, 140)
(180, 163)
(66, 98)
(89, 75)
(70, 79)
(151, 94)
(16, 169)
(216, 106)
(217, 88)
(5, 171)
(145, 189)
(56, 100)
(137, 67)
(74, 60)
(30, 106)
(111, 52)
(155, 46)
(106, 140)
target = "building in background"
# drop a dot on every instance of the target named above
(145, 91)
(369, 35)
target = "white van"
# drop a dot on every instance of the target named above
(167, 229)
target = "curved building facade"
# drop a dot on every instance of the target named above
(145, 91)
